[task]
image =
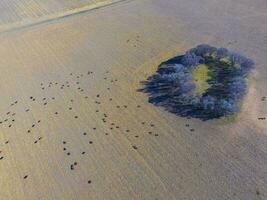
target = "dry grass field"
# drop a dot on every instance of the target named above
(74, 127)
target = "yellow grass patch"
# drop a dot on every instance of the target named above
(200, 77)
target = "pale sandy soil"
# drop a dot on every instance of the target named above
(132, 150)
(20, 13)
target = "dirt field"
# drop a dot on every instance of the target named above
(73, 126)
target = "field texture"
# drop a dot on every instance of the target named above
(74, 127)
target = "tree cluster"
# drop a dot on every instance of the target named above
(172, 85)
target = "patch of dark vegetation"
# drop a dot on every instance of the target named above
(181, 88)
